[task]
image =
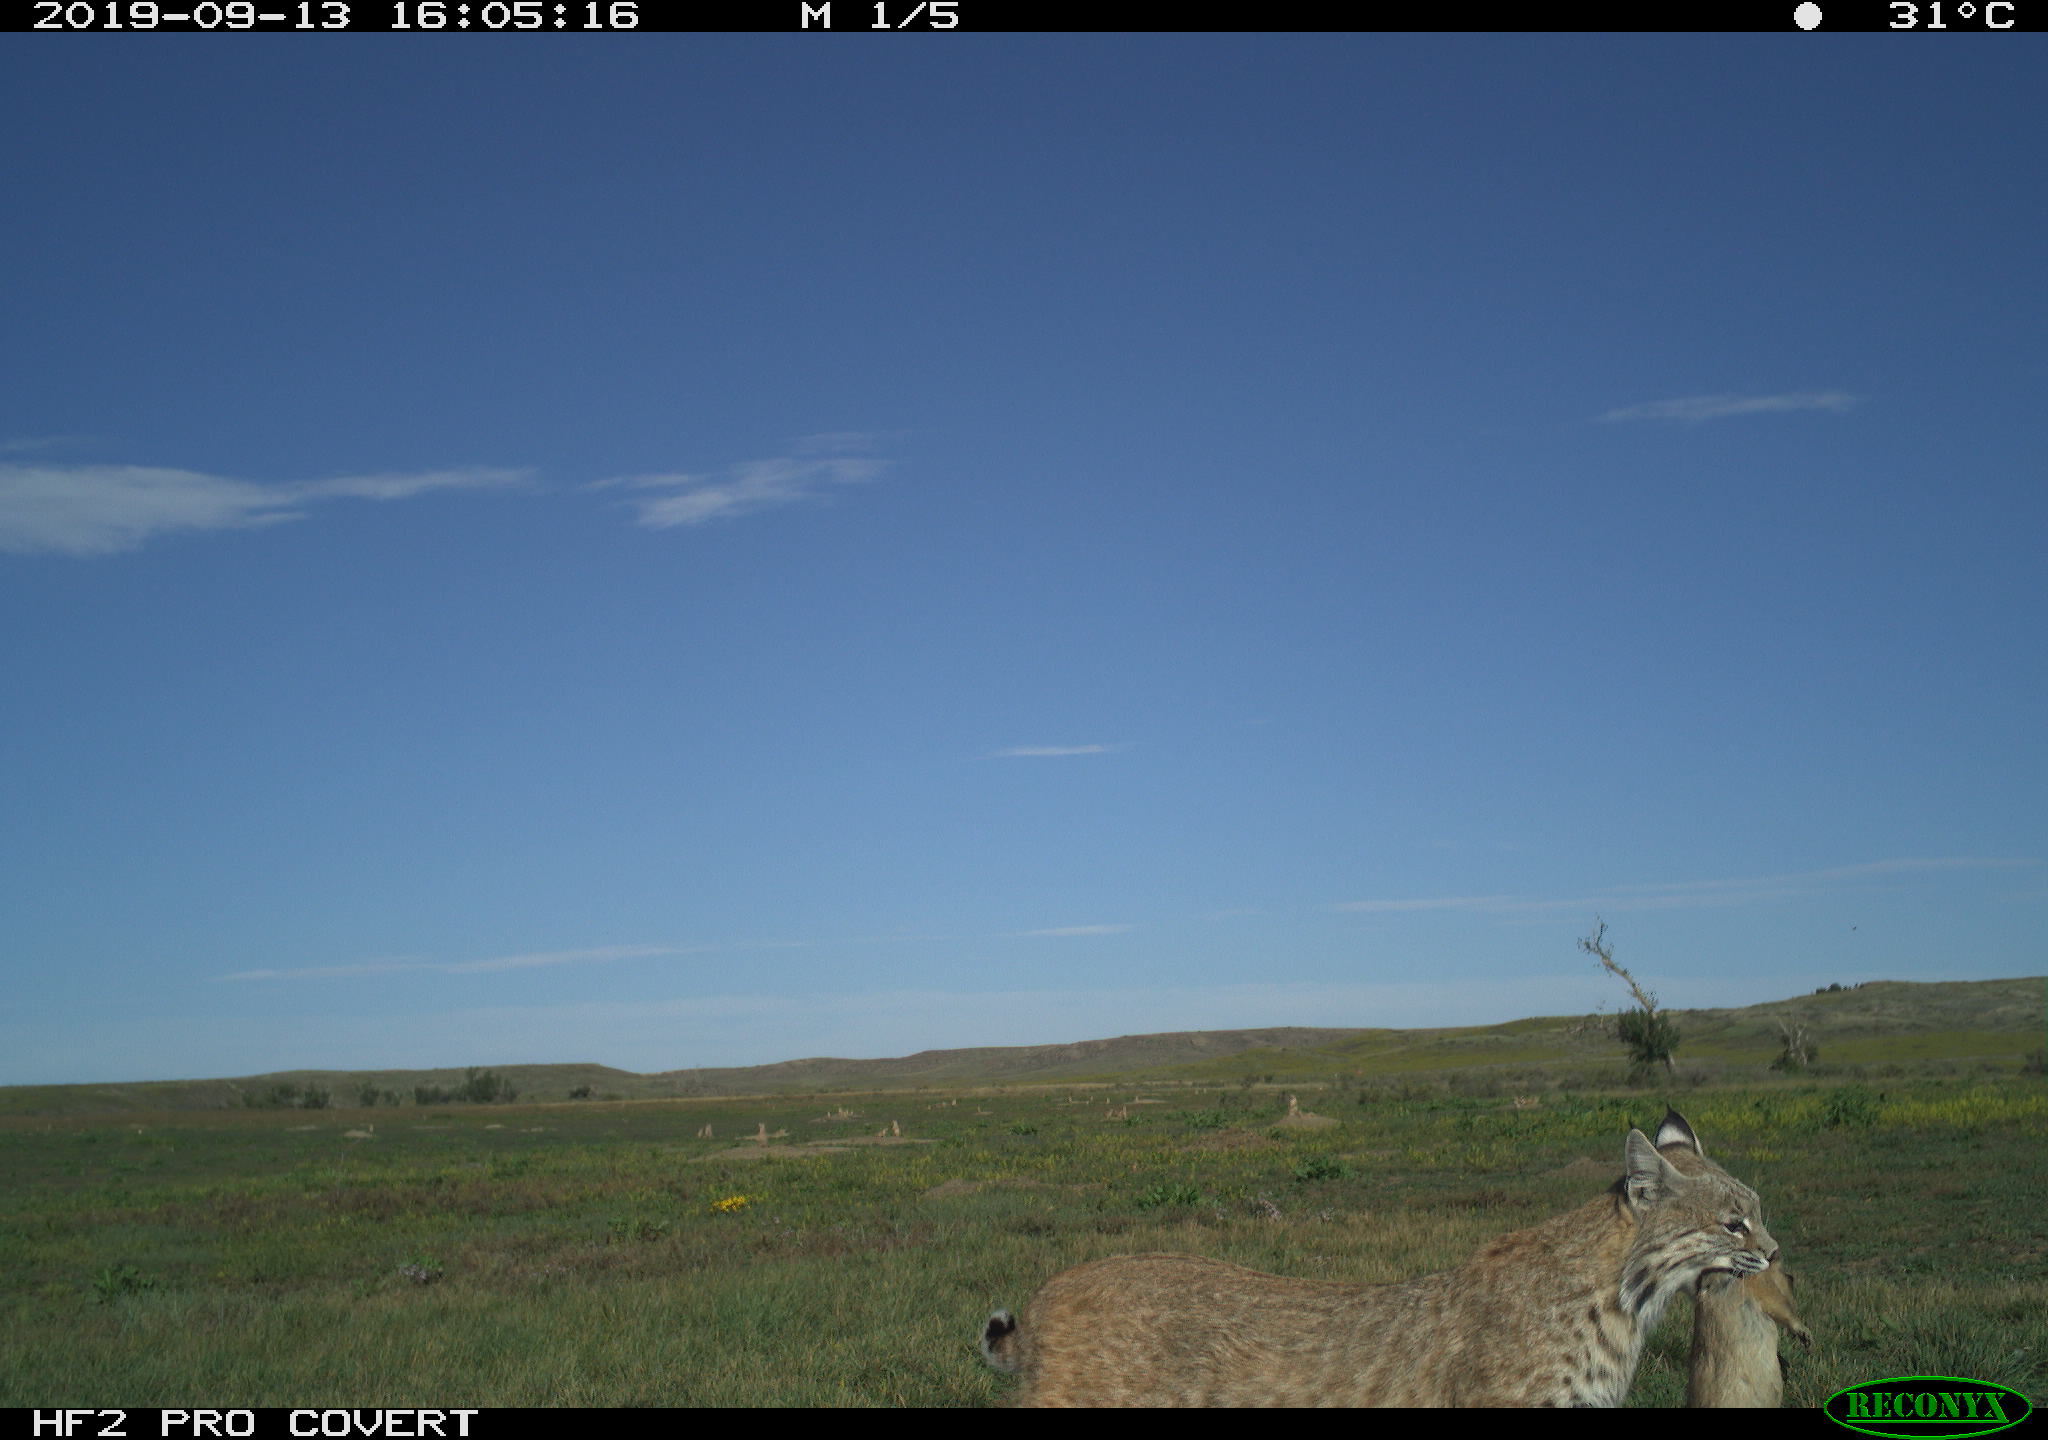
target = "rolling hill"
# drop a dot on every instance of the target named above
(1880, 1023)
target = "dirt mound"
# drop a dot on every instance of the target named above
(1305, 1122)
(1297, 1118)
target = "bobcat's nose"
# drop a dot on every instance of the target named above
(1773, 1256)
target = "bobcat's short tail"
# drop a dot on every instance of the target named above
(999, 1341)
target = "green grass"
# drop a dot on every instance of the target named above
(575, 1254)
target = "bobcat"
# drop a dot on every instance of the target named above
(1552, 1315)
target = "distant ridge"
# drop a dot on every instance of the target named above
(1881, 1022)
(1051, 1062)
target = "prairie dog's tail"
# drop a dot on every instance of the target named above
(999, 1341)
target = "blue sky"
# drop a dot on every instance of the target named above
(681, 550)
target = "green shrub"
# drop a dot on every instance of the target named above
(1319, 1167)
(1650, 1037)
(484, 1087)
(1160, 1197)
(1849, 1108)
(290, 1097)
(478, 1087)
(118, 1280)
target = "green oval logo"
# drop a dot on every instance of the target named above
(1912, 1406)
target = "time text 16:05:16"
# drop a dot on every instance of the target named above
(337, 15)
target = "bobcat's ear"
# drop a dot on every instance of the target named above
(1673, 1130)
(1650, 1176)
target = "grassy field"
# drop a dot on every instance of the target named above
(608, 1254)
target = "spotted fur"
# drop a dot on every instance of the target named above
(1553, 1315)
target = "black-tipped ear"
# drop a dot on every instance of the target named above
(1674, 1131)
(999, 1341)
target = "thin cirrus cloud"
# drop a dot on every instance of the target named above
(1695, 408)
(28, 443)
(1016, 751)
(1062, 932)
(805, 476)
(530, 961)
(107, 509)
(1693, 894)
(604, 954)
(1448, 902)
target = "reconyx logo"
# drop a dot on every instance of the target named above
(1913, 1406)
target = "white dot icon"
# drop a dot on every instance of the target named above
(1807, 16)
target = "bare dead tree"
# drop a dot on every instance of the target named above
(1648, 1032)
(1798, 1051)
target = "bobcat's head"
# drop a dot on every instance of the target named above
(1693, 1218)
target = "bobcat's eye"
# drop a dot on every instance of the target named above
(1737, 1226)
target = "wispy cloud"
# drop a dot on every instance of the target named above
(28, 444)
(1694, 894)
(105, 509)
(530, 961)
(403, 487)
(1695, 408)
(1830, 877)
(1454, 902)
(1041, 750)
(750, 486)
(1063, 931)
(601, 954)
